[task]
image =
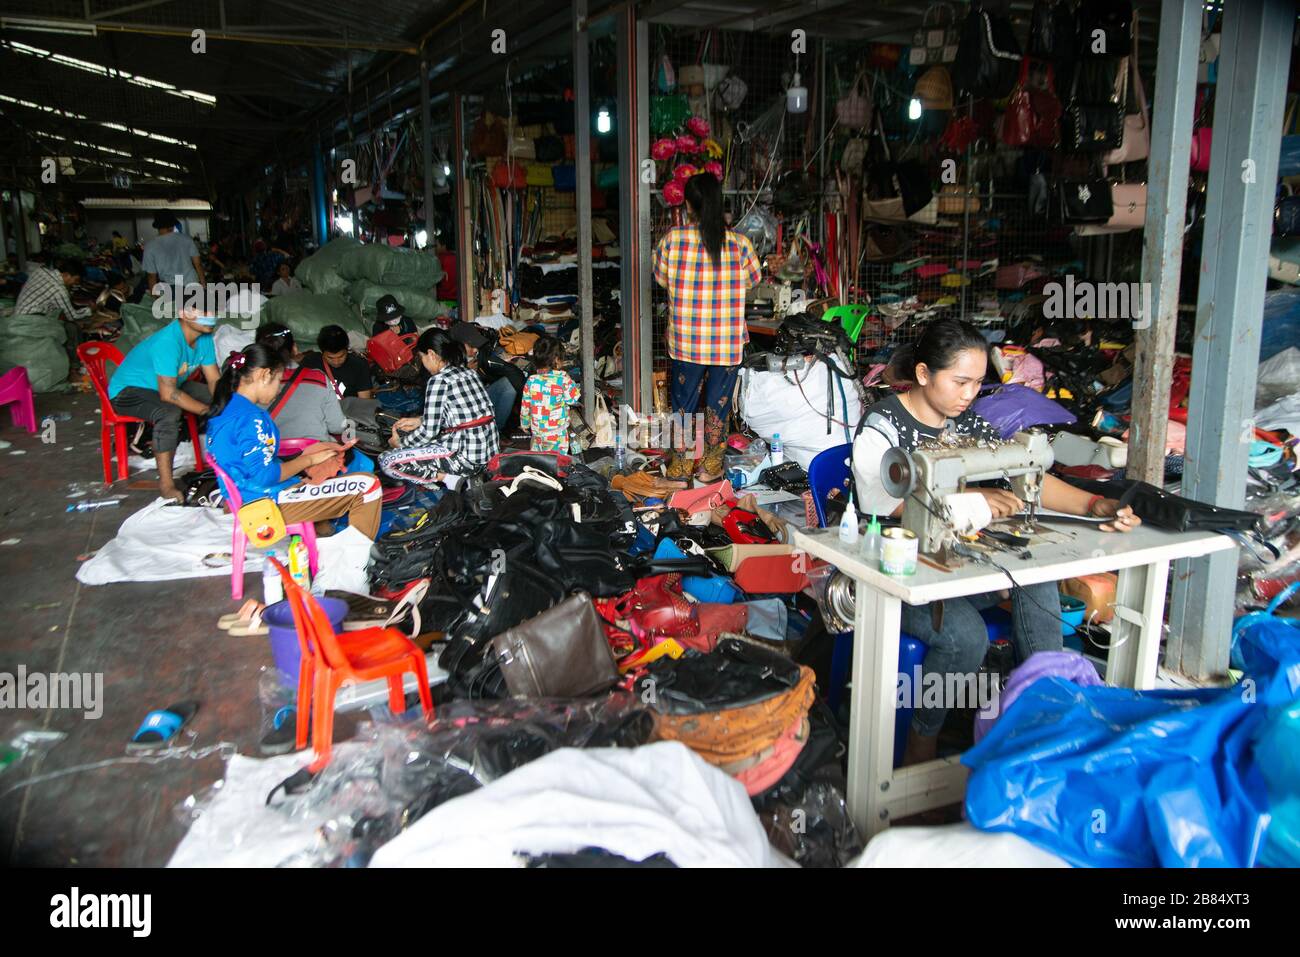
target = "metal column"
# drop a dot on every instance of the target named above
(634, 208)
(320, 202)
(1253, 65)
(582, 169)
(426, 127)
(1162, 250)
(467, 306)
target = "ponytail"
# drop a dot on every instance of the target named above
(239, 366)
(704, 194)
(938, 347)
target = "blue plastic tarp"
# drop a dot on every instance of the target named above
(1113, 777)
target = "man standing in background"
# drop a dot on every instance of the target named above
(171, 256)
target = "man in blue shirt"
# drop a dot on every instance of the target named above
(150, 384)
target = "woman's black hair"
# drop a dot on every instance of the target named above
(439, 341)
(704, 194)
(279, 337)
(256, 356)
(547, 352)
(938, 347)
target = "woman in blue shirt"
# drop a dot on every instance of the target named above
(244, 441)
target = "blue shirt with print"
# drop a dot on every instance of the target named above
(244, 441)
(165, 353)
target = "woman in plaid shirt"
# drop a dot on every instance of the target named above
(457, 433)
(706, 269)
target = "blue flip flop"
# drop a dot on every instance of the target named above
(158, 728)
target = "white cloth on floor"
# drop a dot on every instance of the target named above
(635, 802)
(182, 461)
(162, 542)
(1282, 414)
(952, 845)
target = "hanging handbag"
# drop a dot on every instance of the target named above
(487, 137)
(1094, 122)
(987, 56)
(853, 109)
(1081, 201)
(1137, 126)
(1200, 153)
(957, 200)
(1105, 27)
(1033, 114)
(1051, 30)
(538, 174)
(509, 175)
(1129, 201)
(1286, 214)
(521, 145)
(548, 149)
(853, 156)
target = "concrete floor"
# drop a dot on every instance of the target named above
(155, 644)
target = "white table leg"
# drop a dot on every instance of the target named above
(871, 726)
(1138, 625)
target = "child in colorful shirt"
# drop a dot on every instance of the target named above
(548, 393)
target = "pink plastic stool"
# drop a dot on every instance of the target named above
(16, 392)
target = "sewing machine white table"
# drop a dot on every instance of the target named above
(877, 793)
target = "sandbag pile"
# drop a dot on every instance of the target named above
(373, 271)
(319, 272)
(37, 344)
(306, 313)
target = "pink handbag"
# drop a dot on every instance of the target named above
(1130, 202)
(1137, 128)
(1015, 275)
(1201, 149)
(703, 499)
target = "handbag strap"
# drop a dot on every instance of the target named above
(1137, 73)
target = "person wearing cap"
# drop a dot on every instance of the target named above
(503, 379)
(171, 256)
(151, 384)
(391, 315)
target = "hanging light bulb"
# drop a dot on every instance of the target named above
(421, 239)
(344, 222)
(603, 122)
(796, 98)
(446, 169)
(914, 109)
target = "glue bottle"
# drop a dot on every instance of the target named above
(871, 541)
(849, 523)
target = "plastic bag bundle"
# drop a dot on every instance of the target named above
(36, 344)
(306, 313)
(319, 272)
(391, 267)
(418, 303)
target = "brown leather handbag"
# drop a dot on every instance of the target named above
(561, 653)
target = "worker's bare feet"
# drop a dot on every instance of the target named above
(173, 493)
(920, 748)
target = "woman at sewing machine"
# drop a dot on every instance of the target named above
(945, 369)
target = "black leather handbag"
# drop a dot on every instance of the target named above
(1105, 28)
(988, 56)
(1075, 202)
(1092, 129)
(1165, 510)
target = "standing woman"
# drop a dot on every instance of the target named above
(458, 433)
(706, 269)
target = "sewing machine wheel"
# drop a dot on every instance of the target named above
(897, 473)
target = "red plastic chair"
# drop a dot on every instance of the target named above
(239, 541)
(112, 426)
(16, 392)
(330, 661)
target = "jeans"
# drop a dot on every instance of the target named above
(501, 393)
(959, 643)
(147, 404)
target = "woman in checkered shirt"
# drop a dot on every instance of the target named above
(706, 269)
(457, 433)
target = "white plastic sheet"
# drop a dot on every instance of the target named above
(636, 802)
(952, 845)
(794, 404)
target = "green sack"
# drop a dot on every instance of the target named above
(392, 267)
(36, 344)
(668, 113)
(417, 303)
(319, 272)
(139, 322)
(306, 313)
(70, 251)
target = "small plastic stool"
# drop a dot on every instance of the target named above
(16, 392)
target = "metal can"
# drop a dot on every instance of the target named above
(898, 548)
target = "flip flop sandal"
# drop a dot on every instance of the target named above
(245, 613)
(250, 629)
(159, 728)
(283, 735)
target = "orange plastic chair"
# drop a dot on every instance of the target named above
(112, 425)
(329, 661)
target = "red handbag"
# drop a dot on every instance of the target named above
(1201, 149)
(502, 175)
(1033, 115)
(390, 351)
(656, 608)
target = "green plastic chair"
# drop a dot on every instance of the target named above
(851, 317)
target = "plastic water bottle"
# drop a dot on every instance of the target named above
(272, 586)
(778, 450)
(88, 506)
(620, 452)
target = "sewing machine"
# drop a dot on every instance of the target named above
(778, 294)
(947, 465)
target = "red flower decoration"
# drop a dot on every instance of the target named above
(699, 126)
(684, 172)
(674, 193)
(664, 149)
(714, 167)
(687, 144)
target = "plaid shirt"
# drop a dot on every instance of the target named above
(43, 294)
(545, 409)
(453, 396)
(708, 301)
